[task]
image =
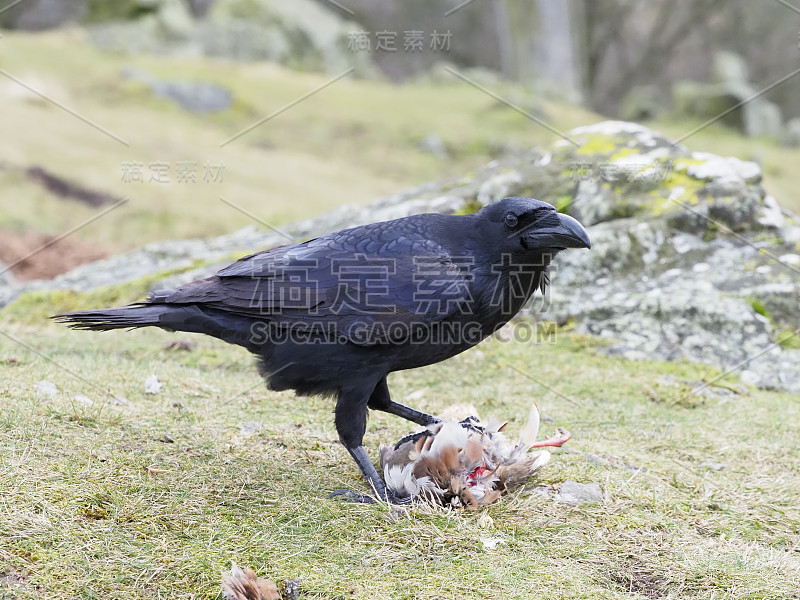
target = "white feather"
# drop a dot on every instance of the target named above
(451, 434)
(527, 437)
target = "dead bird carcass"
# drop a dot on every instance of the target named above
(465, 463)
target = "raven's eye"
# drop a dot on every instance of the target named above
(511, 220)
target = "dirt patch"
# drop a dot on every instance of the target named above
(66, 189)
(12, 580)
(36, 256)
(639, 579)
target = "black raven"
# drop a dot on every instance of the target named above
(336, 314)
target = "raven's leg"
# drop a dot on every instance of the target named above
(351, 424)
(380, 400)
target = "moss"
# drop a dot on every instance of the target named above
(470, 205)
(623, 152)
(788, 339)
(105, 10)
(563, 203)
(598, 144)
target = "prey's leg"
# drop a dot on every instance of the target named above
(380, 400)
(561, 436)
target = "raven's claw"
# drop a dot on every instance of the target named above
(352, 496)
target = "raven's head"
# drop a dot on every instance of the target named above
(532, 227)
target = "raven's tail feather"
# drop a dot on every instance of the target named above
(241, 330)
(105, 319)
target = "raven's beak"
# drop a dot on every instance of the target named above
(567, 234)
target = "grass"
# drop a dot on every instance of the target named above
(96, 502)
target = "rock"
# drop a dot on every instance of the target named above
(791, 135)
(721, 168)
(175, 18)
(729, 67)
(249, 429)
(36, 15)
(491, 543)
(777, 370)
(197, 97)
(732, 98)
(7, 280)
(499, 186)
(434, 144)
(641, 104)
(714, 466)
(200, 8)
(574, 493)
(594, 202)
(302, 34)
(47, 388)
(152, 385)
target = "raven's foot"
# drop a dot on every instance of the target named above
(351, 496)
(561, 436)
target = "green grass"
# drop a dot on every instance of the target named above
(81, 517)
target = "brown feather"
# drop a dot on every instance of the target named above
(244, 584)
(449, 456)
(490, 497)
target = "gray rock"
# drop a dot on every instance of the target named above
(434, 145)
(197, 97)
(642, 104)
(200, 8)
(6, 278)
(732, 97)
(302, 34)
(574, 493)
(791, 136)
(714, 466)
(36, 15)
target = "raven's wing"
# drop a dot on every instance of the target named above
(370, 284)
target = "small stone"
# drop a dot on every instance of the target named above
(713, 466)
(750, 377)
(574, 493)
(152, 385)
(251, 428)
(491, 543)
(291, 589)
(47, 388)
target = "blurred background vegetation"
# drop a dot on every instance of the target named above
(110, 100)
